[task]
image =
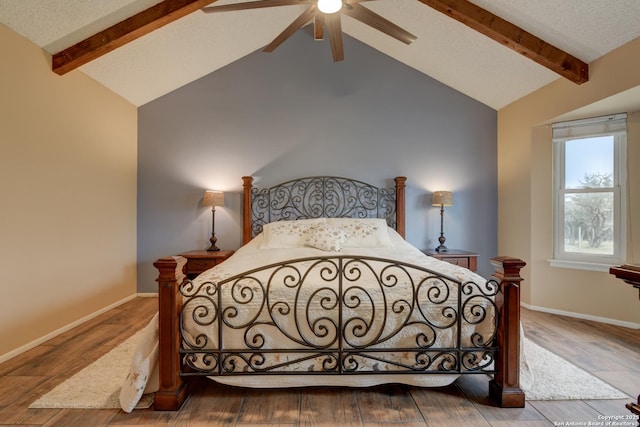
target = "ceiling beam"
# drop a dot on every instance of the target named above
(123, 32)
(513, 37)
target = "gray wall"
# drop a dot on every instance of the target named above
(295, 113)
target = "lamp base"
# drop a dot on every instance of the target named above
(213, 246)
(442, 248)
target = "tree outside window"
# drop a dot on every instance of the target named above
(589, 216)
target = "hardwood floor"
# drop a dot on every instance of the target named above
(609, 352)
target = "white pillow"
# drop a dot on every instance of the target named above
(288, 234)
(327, 237)
(364, 232)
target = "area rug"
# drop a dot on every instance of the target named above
(98, 385)
(553, 378)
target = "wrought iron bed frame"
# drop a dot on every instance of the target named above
(346, 344)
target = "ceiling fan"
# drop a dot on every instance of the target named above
(324, 13)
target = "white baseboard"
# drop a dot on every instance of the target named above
(53, 334)
(615, 322)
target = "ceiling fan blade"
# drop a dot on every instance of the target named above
(254, 5)
(299, 22)
(334, 28)
(318, 27)
(366, 16)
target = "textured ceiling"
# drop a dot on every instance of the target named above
(445, 50)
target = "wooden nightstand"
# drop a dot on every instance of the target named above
(199, 261)
(456, 256)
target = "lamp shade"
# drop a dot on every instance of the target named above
(442, 198)
(213, 198)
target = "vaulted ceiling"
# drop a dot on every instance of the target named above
(495, 51)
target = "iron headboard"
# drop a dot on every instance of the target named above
(321, 196)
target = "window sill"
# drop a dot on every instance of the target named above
(580, 265)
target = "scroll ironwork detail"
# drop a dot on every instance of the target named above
(337, 315)
(317, 197)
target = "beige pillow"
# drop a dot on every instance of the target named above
(327, 237)
(364, 232)
(288, 234)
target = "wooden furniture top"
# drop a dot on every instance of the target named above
(629, 273)
(204, 254)
(200, 260)
(456, 256)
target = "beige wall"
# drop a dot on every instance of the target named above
(68, 196)
(525, 189)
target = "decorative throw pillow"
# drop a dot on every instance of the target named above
(364, 232)
(288, 234)
(327, 238)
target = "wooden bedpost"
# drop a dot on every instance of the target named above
(173, 390)
(400, 212)
(247, 184)
(504, 389)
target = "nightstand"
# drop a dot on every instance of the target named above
(199, 261)
(456, 256)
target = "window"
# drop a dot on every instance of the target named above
(590, 192)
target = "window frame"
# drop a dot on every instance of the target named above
(613, 125)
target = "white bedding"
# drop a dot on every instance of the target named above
(253, 254)
(398, 249)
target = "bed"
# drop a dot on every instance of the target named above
(326, 291)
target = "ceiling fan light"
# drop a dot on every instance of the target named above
(329, 6)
